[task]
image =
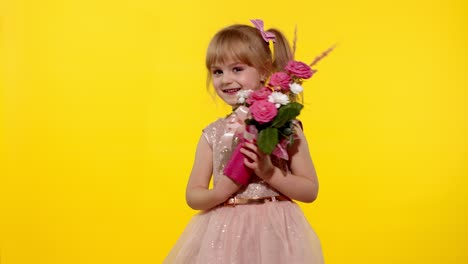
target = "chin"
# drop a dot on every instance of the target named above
(232, 104)
(230, 101)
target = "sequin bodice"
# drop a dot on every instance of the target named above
(257, 187)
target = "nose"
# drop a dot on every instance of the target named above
(227, 78)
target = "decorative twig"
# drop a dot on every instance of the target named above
(294, 41)
(325, 53)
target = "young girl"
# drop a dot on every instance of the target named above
(259, 222)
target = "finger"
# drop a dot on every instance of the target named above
(248, 153)
(255, 148)
(251, 146)
(251, 165)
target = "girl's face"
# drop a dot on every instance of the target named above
(231, 77)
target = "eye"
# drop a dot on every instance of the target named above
(237, 69)
(217, 72)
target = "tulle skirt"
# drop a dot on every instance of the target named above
(269, 233)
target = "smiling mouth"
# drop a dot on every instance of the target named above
(231, 91)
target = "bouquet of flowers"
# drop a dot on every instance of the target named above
(272, 110)
(270, 113)
(274, 107)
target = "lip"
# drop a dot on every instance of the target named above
(231, 91)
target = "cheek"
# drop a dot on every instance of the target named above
(217, 87)
(256, 84)
(257, 80)
(250, 81)
(215, 83)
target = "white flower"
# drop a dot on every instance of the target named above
(278, 99)
(296, 88)
(242, 95)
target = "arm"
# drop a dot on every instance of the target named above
(301, 184)
(197, 194)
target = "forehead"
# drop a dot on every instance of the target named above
(228, 57)
(223, 52)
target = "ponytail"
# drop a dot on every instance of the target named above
(282, 50)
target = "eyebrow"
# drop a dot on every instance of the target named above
(230, 65)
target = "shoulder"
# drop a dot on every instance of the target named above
(214, 126)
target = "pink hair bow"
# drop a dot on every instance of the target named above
(267, 36)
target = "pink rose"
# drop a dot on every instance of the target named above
(299, 69)
(280, 79)
(259, 95)
(263, 111)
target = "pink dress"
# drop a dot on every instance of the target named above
(269, 233)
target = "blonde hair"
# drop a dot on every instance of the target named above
(245, 44)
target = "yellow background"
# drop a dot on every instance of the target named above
(102, 103)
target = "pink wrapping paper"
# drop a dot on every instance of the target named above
(236, 169)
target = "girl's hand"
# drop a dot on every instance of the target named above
(258, 161)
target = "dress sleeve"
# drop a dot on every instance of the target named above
(209, 133)
(206, 135)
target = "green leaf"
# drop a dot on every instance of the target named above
(267, 140)
(286, 113)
